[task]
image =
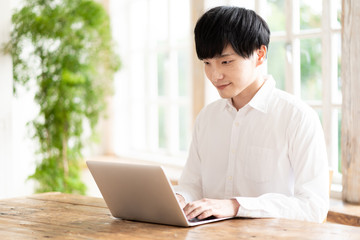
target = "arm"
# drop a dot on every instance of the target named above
(307, 154)
(219, 208)
(189, 188)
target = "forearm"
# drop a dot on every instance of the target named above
(280, 206)
(219, 208)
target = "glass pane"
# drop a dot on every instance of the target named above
(184, 127)
(239, 3)
(310, 57)
(338, 54)
(137, 125)
(336, 13)
(319, 112)
(310, 14)
(243, 3)
(183, 71)
(276, 63)
(137, 71)
(335, 68)
(158, 21)
(179, 21)
(275, 15)
(137, 29)
(137, 107)
(213, 3)
(162, 63)
(163, 138)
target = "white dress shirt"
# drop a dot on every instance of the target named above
(269, 155)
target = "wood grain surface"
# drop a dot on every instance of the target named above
(350, 78)
(65, 216)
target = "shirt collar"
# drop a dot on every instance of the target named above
(261, 99)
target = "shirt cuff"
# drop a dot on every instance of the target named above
(250, 207)
(178, 190)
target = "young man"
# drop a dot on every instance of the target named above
(258, 151)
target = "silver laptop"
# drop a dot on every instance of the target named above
(140, 192)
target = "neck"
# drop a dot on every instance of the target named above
(248, 93)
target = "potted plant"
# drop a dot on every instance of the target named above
(65, 47)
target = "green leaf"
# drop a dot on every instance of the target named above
(65, 48)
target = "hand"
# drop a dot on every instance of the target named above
(205, 208)
(181, 200)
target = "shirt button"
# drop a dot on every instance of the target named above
(237, 124)
(233, 151)
(230, 177)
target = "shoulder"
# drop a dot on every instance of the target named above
(291, 105)
(210, 113)
(213, 108)
(295, 114)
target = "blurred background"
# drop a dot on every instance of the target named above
(161, 86)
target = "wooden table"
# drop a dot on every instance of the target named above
(65, 216)
(344, 213)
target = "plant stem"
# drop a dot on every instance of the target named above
(64, 154)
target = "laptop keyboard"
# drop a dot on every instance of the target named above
(200, 220)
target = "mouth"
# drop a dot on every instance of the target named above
(221, 87)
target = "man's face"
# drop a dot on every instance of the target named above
(230, 73)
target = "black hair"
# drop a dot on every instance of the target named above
(242, 28)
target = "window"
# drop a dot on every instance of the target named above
(154, 89)
(306, 44)
(152, 92)
(304, 58)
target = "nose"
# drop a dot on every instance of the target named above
(216, 75)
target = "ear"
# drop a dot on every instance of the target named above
(261, 55)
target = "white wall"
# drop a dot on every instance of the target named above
(16, 152)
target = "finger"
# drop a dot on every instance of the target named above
(189, 208)
(181, 200)
(195, 209)
(180, 197)
(182, 204)
(193, 206)
(205, 214)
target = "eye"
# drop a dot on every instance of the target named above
(206, 63)
(226, 62)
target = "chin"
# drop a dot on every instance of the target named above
(226, 96)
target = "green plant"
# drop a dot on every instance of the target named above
(65, 46)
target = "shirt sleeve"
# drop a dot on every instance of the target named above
(190, 186)
(307, 154)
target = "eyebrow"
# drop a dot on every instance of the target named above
(222, 55)
(225, 55)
